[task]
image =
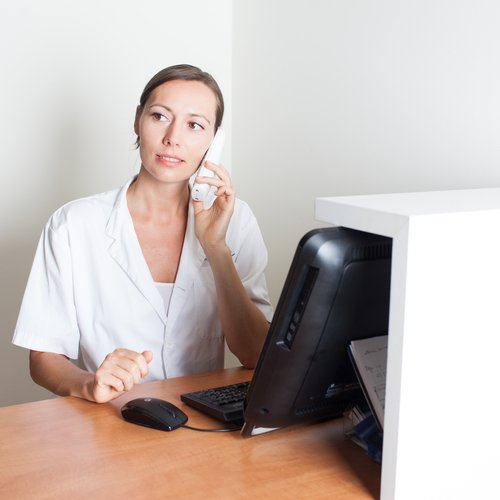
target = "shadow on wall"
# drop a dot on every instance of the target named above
(16, 386)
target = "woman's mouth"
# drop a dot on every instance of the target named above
(171, 160)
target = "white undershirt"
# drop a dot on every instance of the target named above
(165, 290)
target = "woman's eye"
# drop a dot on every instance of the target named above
(159, 117)
(196, 126)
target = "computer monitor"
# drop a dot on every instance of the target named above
(337, 290)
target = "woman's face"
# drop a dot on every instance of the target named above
(175, 129)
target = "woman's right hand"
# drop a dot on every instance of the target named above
(118, 373)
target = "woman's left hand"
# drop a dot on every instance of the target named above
(211, 224)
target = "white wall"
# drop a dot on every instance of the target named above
(71, 77)
(329, 98)
(343, 97)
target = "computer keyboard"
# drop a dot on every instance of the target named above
(224, 403)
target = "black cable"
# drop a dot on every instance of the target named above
(211, 430)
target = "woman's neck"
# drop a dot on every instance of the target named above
(148, 197)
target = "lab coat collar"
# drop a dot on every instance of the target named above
(126, 251)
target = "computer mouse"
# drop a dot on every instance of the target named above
(154, 413)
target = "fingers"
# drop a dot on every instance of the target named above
(120, 371)
(222, 180)
(109, 380)
(148, 356)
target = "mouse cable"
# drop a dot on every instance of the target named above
(211, 430)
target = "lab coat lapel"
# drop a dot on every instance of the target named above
(192, 258)
(126, 251)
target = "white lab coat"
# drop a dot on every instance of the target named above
(90, 290)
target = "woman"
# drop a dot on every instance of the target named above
(141, 282)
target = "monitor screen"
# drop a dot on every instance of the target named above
(337, 290)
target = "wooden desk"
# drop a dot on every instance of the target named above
(70, 448)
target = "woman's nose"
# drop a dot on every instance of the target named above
(172, 135)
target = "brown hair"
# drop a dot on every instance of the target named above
(188, 73)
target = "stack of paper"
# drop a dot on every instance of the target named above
(369, 358)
